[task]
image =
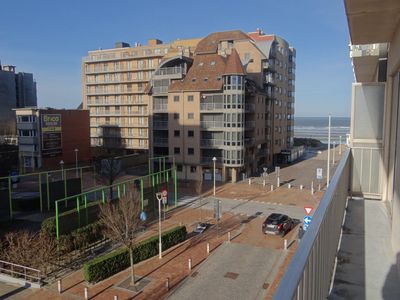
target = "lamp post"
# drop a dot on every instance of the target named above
(340, 145)
(159, 198)
(62, 169)
(76, 161)
(333, 156)
(214, 160)
(328, 173)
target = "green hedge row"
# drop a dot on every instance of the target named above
(107, 265)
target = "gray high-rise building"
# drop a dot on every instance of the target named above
(17, 90)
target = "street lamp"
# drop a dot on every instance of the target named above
(76, 161)
(214, 160)
(333, 156)
(159, 198)
(62, 169)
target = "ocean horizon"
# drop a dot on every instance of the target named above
(317, 128)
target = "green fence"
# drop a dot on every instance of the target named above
(79, 210)
(41, 189)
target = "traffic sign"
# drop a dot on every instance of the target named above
(319, 174)
(143, 216)
(308, 209)
(306, 222)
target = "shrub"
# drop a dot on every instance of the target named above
(107, 265)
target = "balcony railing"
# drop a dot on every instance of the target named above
(250, 107)
(310, 271)
(211, 142)
(250, 124)
(160, 141)
(160, 125)
(211, 106)
(209, 160)
(169, 71)
(212, 124)
(160, 107)
(160, 89)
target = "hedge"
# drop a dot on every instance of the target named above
(107, 265)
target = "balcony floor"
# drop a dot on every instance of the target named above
(366, 266)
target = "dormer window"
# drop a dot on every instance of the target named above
(201, 64)
(193, 79)
(205, 79)
(212, 63)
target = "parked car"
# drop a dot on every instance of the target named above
(278, 224)
(200, 228)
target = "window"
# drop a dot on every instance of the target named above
(176, 98)
(177, 133)
(191, 133)
(176, 116)
(190, 151)
(192, 169)
(190, 115)
(212, 63)
(179, 168)
(177, 150)
(190, 98)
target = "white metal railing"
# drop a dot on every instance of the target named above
(211, 106)
(21, 272)
(169, 71)
(364, 50)
(212, 124)
(211, 142)
(310, 271)
(160, 89)
(160, 107)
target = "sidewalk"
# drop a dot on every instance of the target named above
(173, 265)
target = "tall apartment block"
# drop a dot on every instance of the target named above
(229, 95)
(17, 90)
(114, 82)
(234, 103)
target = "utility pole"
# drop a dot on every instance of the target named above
(329, 153)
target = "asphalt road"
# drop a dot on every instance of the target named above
(248, 207)
(224, 276)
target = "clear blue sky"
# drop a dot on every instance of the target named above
(48, 38)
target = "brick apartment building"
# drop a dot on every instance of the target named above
(48, 136)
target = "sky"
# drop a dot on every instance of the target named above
(49, 38)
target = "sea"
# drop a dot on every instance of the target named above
(317, 128)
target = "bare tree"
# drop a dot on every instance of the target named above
(109, 170)
(36, 250)
(121, 221)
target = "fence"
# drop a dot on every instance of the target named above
(73, 212)
(39, 190)
(20, 272)
(309, 274)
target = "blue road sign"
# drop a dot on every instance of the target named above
(306, 222)
(143, 216)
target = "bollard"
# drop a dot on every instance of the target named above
(301, 187)
(319, 187)
(249, 181)
(285, 244)
(312, 187)
(115, 297)
(190, 264)
(263, 182)
(229, 236)
(289, 186)
(272, 187)
(167, 284)
(86, 293)
(278, 183)
(59, 286)
(208, 248)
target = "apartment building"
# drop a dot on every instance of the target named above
(114, 82)
(47, 136)
(17, 89)
(233, 100)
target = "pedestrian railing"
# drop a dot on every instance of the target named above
(20, 272)
(310, 272)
